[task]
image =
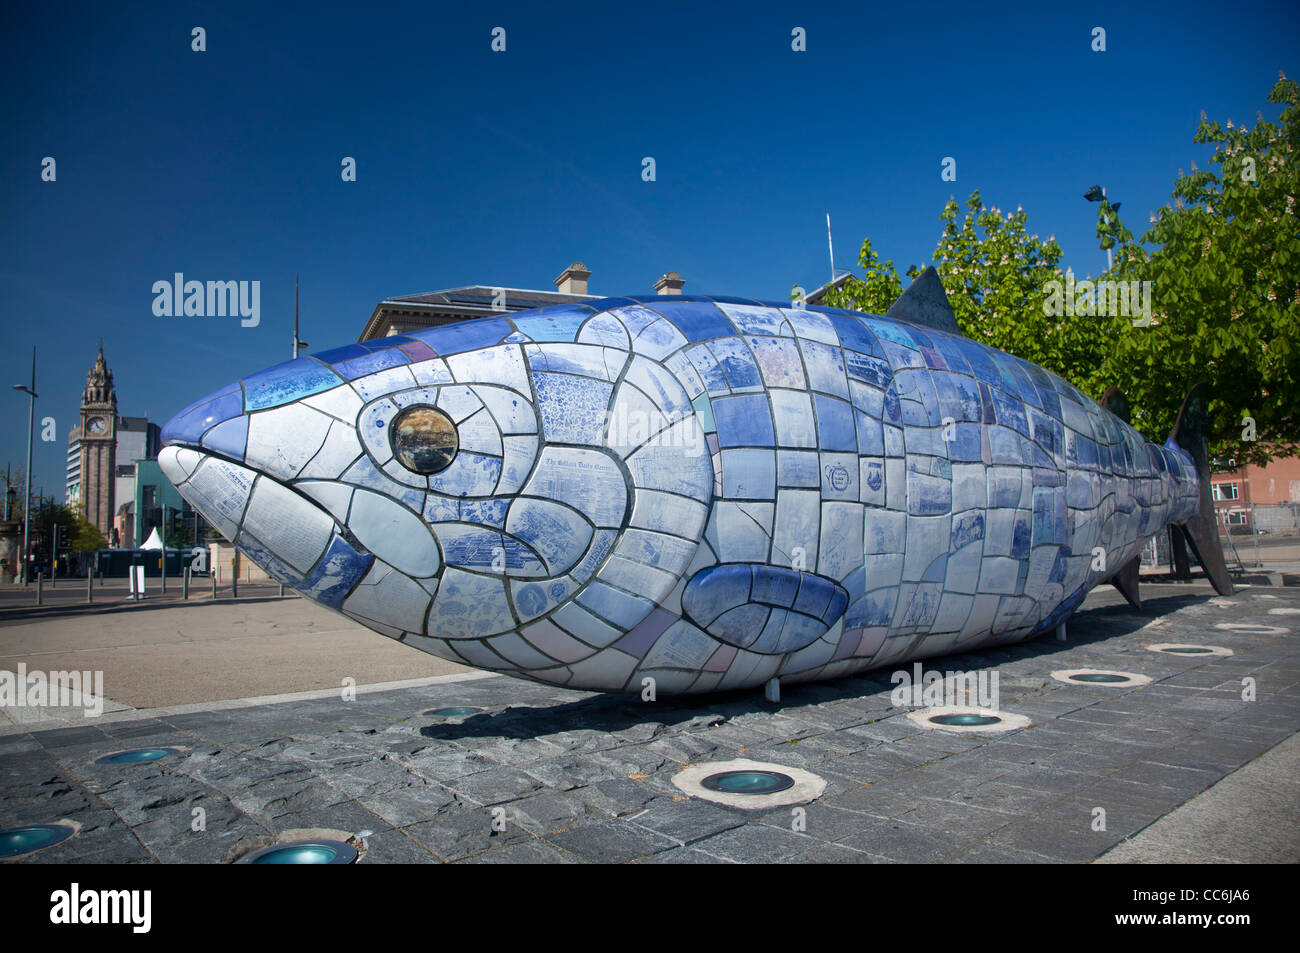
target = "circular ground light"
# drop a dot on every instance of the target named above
(452, 712)
(304, 852)
(748, 782)
(1100, 676)
(137, 756)
(752, 785)
(1189, 651)
(965, 721)
(1251, 628)
(966, 718)
(16, 841)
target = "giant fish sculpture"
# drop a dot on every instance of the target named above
(711, 492)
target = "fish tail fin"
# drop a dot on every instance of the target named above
(1191, 433)
(1125, 579)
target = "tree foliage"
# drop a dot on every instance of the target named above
(1224, 274)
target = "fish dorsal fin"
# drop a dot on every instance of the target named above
(925, 303)
(1116, 403)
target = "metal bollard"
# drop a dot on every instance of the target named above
(282, 589)
(38, 588)
(185, 584)
(163, 563)
(234, 578)
(90, 588)
(213, 576)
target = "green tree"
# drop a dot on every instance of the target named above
(85, 535)
(875, 291)
(1224, 273)
(998, 278)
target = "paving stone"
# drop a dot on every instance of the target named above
(611, 842)
(463, 832)
(901, 841)
(682, 855)
(394, 847)
(1062, 833)
(756, 844)
(409, 804)
(528, 852)
(837, 854)
(550, 812)
(685, 822)
(496, 785)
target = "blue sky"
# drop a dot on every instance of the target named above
(501, 168)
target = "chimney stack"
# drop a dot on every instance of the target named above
(670, 284)
(573, 280)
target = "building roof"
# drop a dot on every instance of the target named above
(819, 295)
(469, 301)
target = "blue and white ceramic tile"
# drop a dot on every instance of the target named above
(708, 493)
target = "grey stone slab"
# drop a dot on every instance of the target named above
(901, 841)
(880, 799)
(496, 786)
(63, 737)
(409, 804)
(682, 855)
(820, 821)
(836, 854)
(685, 822)
(618, 796)
(394, 847)
(985, 854)
(528, 852)
(756, 843)
(964, 822)
(1063, 832)
(611, 842)
(1005, 798)
(550, 812)
(462, 833)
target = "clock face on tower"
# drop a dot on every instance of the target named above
(96, 425)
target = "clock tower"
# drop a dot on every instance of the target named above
(99, 445)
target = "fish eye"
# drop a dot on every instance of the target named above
(424, 439)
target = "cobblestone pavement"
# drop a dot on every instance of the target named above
(578, 777)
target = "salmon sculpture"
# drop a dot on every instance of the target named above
(711, 492)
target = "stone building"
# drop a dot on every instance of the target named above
(92, 481)
(406, 313)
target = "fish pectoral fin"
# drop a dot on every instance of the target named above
(763, 608)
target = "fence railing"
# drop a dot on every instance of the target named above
(1246, 531)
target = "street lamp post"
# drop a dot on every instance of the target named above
(27, 493)
(1097, 194)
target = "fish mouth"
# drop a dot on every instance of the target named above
(294, 538)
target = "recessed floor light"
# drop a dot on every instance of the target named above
(748, 782)
(965, 721)
(1187, 650)
(752, 785)
(966, 718)
(1100, 676)
(304, 852)
(1253, 628)
(17, 841)
(137, 756)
